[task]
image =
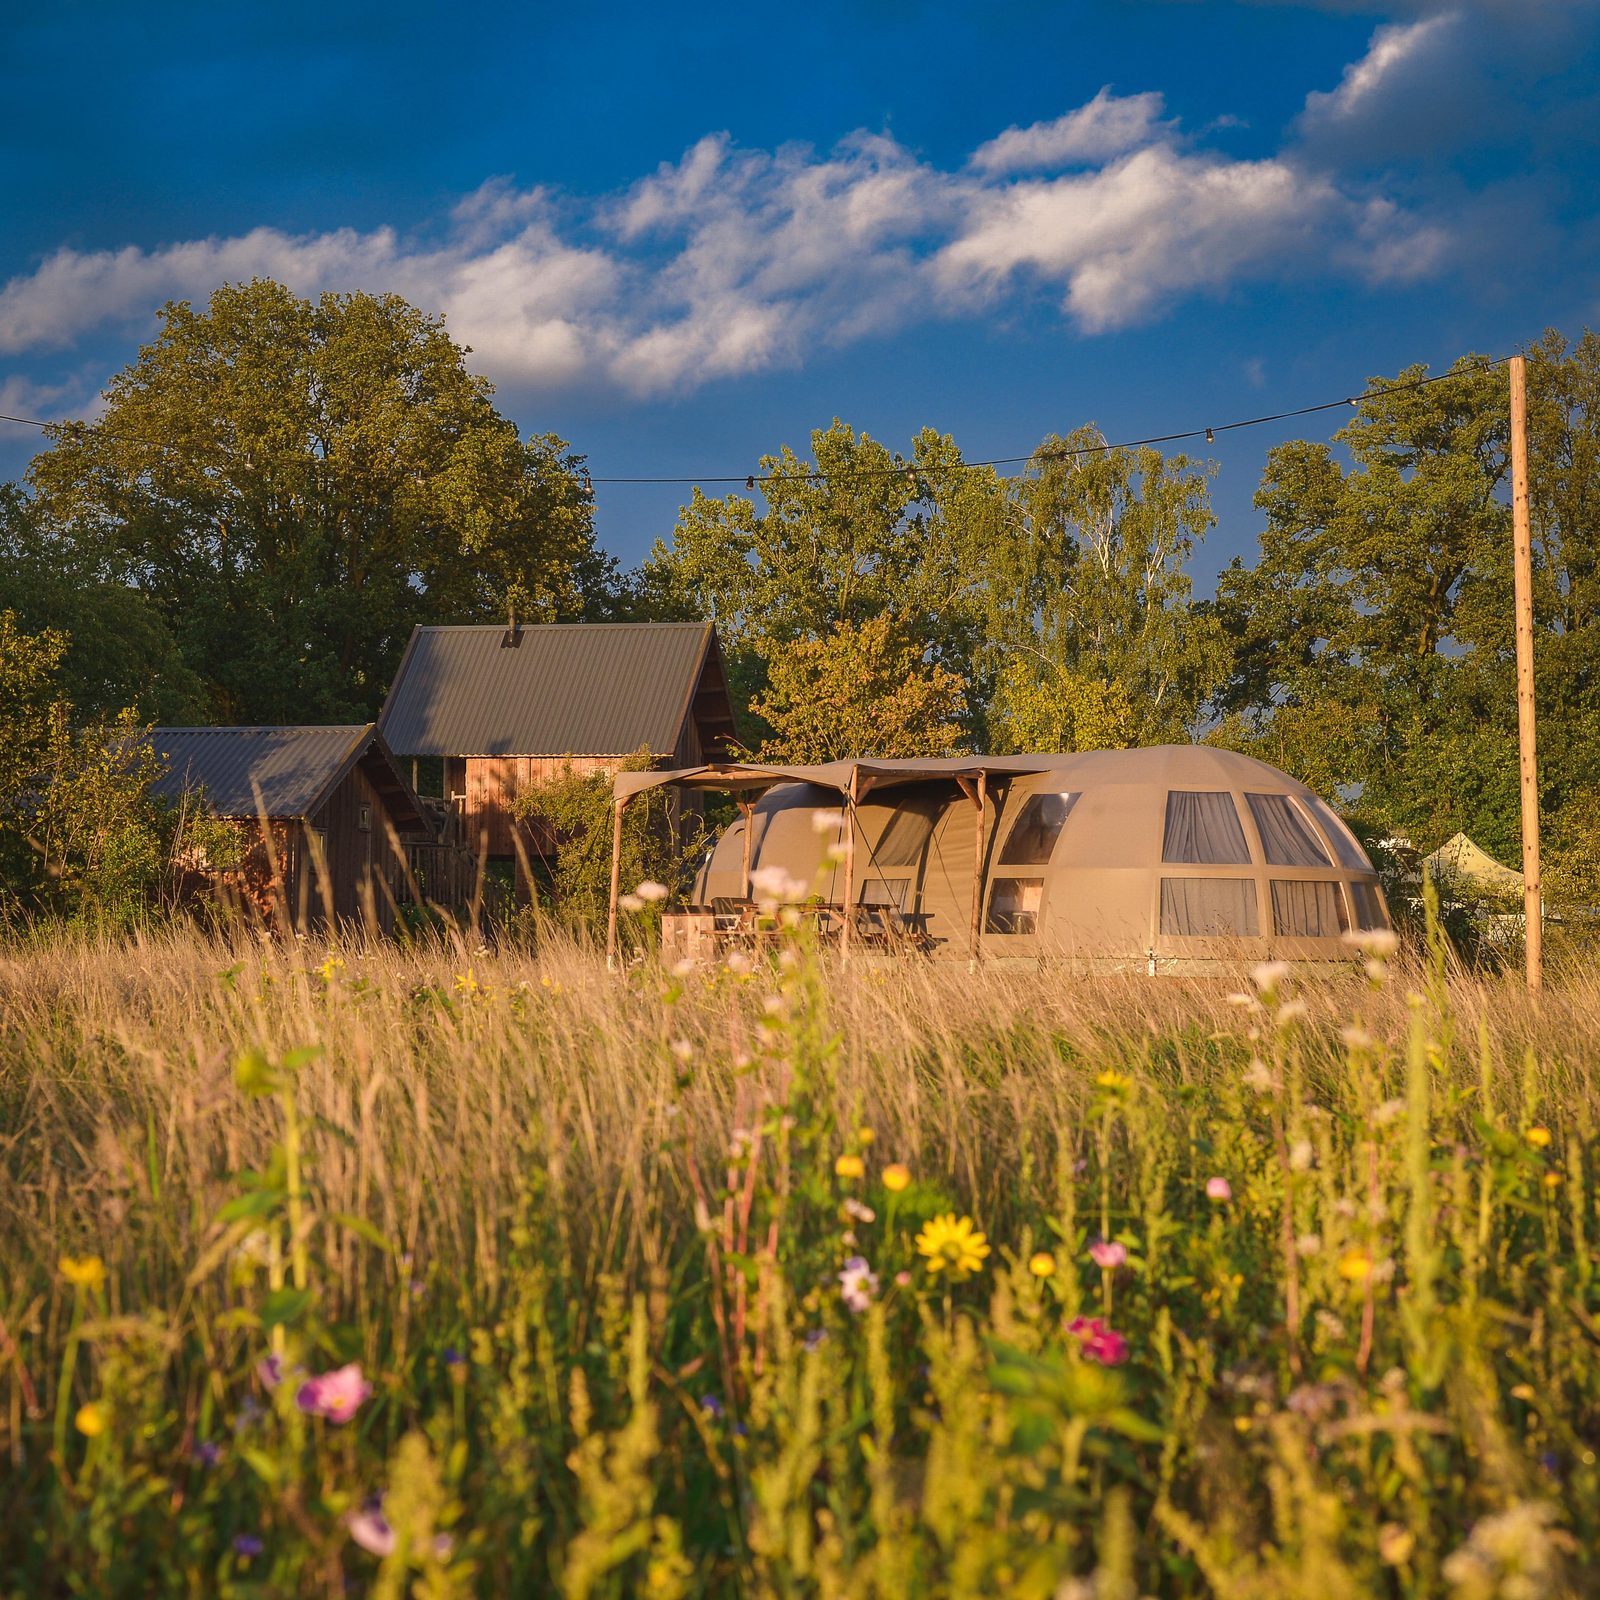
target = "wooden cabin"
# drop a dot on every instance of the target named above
(504, 709)
(302, 794)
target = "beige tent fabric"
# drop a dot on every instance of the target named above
(1260, 866)
(1459, 857)
(838, 775)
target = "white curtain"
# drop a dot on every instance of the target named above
(1286, 835)
(1204, 827)
(1209, 908)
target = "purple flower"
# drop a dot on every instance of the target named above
(207, 1454)
(814, 1339)
(247, 1545)
(270, 1371)
(452, 1357)
(1218, 1189)
(336, 1395)
(371, 1530)
(1108, 1254)
(710, 1403)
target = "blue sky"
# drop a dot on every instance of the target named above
(680, 236)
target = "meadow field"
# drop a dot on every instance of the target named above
(446, 1271)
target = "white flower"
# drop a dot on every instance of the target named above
(651, 890)
(861, 1213)
(1300, 1154)
(774, 885)
(1379, 942)
(858, 1284)
(1291, 1011)
(739, 961)
(1268, 975)
(1240, 998)
(630, 902)
(825, 821)
(683, 1050)
(1355, 1037)
(1259, 1077)
(1308, 1244)
(1388, 1112)
(682, 969)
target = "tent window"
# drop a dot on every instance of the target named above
(1209, 908)
(889, 892)
(1306, 910)
(908, 832)
(1368, 905)
(1203, 828)
(1286, 832)
(1014, 905)
(1350, 853)
(1034, 834)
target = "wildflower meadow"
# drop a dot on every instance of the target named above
(442, 1270)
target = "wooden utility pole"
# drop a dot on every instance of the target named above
(1532, 902)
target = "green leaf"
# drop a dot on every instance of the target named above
(264, 1467)
(285, 1306)
(364, 1230)
(257, 1203)
(253, 1073)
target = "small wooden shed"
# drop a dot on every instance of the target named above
(507, 708)
(336, 794)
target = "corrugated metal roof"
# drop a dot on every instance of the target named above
(568, 688)
(292, 767)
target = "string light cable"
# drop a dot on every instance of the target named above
(908, 470)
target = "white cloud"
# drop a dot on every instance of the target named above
(1392, 49)
(1107, 126)
(732, 261)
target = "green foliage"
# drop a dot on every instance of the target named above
(864, 689)
(289, 486)
(574, 814)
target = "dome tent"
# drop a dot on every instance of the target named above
(1174, 856)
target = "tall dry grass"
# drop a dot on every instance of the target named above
(579, 1229)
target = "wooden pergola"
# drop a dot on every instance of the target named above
(852, 780)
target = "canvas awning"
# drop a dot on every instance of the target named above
(847, 777)
(853, 780)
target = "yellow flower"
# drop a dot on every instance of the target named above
(83, 1272)
(1538, 1137)
(952, 1246)
(1552, 1180)
(329, 968)
(1042, 1265)
(865, 1136)
(896, 1177)
(1241, 1424)
(1114, 1081)
(466, 982)
(1356, 1265)
(849, 1166)
(91, 1419)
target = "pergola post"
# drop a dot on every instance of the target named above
(849, 867)
(748, 808)
(980, 799)
(616, 885)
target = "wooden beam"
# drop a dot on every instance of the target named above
(979, 798)
(616, 885)
(849, 868)
(1532, 900)
(748, 807)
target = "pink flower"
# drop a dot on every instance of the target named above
(1108, 1254)
(858, 1283)
(1099, 1343)
(336, 1395)
(372, 1531)
(1218, 1189)
(270, 1371)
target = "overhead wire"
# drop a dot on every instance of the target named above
(1208, 432)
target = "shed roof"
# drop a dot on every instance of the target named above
(286, 772)
(564, 688)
